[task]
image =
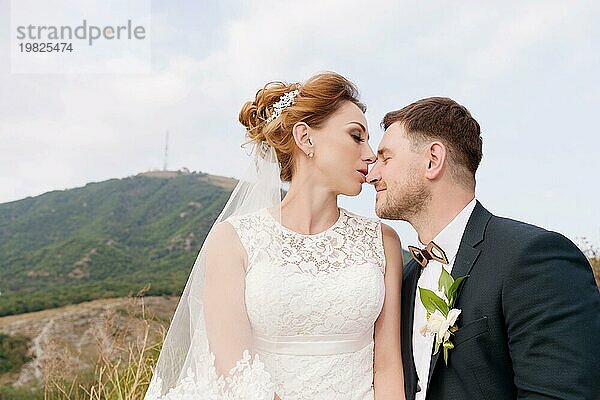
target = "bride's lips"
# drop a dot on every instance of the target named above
(363, 173)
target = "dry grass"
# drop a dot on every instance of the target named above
(593, 254)
(128, 348)
(595, 263)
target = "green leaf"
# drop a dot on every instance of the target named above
(454, 289)
(445, 282)
(437, 347)
(433, 302)
(447, 346)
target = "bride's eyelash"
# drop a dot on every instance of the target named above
(358, 137)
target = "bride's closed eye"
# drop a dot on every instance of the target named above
(357, 136)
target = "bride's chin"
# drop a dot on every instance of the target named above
(355, 191)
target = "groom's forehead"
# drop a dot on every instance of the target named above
(392, 139)
(383, 146)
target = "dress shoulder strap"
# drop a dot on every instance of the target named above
(368, 230)
(251, 229)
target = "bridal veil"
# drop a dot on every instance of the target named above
(201, 357)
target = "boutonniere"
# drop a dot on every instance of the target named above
(441, 316)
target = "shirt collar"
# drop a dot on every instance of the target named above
(449, 238)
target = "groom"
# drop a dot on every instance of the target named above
(530, 310)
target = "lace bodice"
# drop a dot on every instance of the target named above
(312, 301)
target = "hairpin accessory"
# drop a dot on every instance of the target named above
(286, 100)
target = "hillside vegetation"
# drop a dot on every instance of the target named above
(105, 240)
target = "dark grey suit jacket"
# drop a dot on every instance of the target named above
(530, 321)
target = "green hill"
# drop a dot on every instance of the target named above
(106, 239)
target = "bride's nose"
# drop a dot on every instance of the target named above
(370, 157)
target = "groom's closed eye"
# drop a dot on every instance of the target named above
(383, 156)
(383, 153)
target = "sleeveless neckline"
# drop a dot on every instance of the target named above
(286, 229)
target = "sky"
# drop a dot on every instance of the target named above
(527, 71)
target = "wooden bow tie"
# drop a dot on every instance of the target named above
(431, 252)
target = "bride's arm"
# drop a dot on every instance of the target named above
(388, 372)
(228, 328)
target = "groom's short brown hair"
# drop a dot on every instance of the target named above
(443, 119)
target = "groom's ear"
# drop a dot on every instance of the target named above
(436, 158)
(301, 133)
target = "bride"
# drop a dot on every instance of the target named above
(297, 298)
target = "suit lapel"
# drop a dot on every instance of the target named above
(413, 271)
(412, 289)
(465, 258)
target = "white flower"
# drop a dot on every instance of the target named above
(435, 323)
(453, 316)
(440, 325)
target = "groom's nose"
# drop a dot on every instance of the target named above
(373, 176)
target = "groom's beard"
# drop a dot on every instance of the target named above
(403, 201)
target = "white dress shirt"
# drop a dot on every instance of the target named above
(449, 240)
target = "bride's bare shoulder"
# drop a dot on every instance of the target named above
(223, 241)
(223, 230)
(390, 236)
(391, 245)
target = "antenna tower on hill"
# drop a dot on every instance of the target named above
(166, 152)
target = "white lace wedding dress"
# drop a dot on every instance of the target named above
(312, 301)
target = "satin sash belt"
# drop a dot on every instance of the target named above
(313, 345)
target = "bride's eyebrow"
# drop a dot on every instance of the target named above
(361, 126)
